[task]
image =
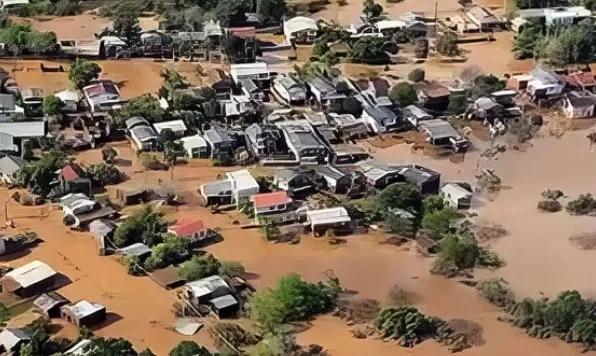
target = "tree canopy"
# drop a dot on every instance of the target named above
(271, 10)
(403, 94)
(145, 106)
(372, 10)
(52, 105)
(189, 348)
(174, 249)
(199, 267)
(292, 299)
(126, 26)
(447, 44)
(38, 175)
(100, 346)
(369, 50)
(82, 72)
(102, 174)
(144, 225)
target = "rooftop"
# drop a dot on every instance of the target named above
(242, 179)
(483, 15)
(206, 286)
(216, 135)
(69, 173)
(136, 249)
(328, 216)
(581, 98)
(330, 171)
(174, 125)
(299, 23)
(271, 199)
(10, 337)
(49, 300)
(438, 128)
(134, 121)
(11, 164)
(144, 133)
(432, 90)
(580, 79)
(219, 187)
(20, 129)
(31, 273)
(455, 191)
(223, 302)
(187, 228)
(83, 309)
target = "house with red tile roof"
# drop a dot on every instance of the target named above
(274, 203)
(192, 229)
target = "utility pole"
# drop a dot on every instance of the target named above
(437, 10)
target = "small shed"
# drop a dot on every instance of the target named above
(168, 277)
(206, 289)
(132, 196)
(29, 280)
(50, 303)
(224, 306)
(457, 196)
(83, 313)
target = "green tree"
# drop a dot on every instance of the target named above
(143, 225)
(199, 267)
(417, 75)
(372, 10)
(189, 348)
(271, 10)
(147, 352)
(28, 150)
(231, 269)
(440, 222)
(52, 105)
(102, 174)
(4, 314)
(231, 12)
(82, 72)
(484, 85)
(369, 50)
(402, 196)
(524, 45)
(145, 106)
(421, 47)
(292, 299)
(447, 44)
(109, 154)
(38, 175)
(67, 8)
(172, 250)
(403, 94)
(433, 203)
(458, 102)
(400, 225)
(126, 25)
(167, 135)
(100, 346)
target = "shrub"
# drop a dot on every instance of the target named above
(133, 265)
(399, 225)
(199, 267)
(152, 161)
(407, 325)
(189, 348)
(401, 296)
(67, 8)
(549, 206)
(231, 269)
(417, 75)
(585, 204)
(447, 44)
(143, 225)
(82, 72)
(496, 291)
(421, 49)
(440, 222)
(52, 105)
(553, 194)
(404, 94)
(458, 103)
(102, 174)
(172, 250)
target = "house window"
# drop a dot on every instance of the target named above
(281, 207)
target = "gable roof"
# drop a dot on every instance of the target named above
(11, 164)
(187, 228)
(136, 249)
(83, 308)
(31, 273)
(206, 286)
(299, 23)
(69, 173)
(10, 337)
(242, 179)
(271, 199)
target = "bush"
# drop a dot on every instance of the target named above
(368, 50)
(67, 8)
(109, 154)
(440, 222)
(458, 103)
(407, 325)
(432, 204)
(102, 174)
(417, 75)
(585, 204)
(152, 161)
(399, 225)
(292, 299)
(496, 291)
(403, 94)
(52, 105)
(421, 48)
(133, 265)
(199, 267)
(549, 206)
(553, 194)
(447, 44)
(231, 269)
(189, 348)
(401, 297)
(82, 72)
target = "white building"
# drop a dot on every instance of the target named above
(195, 146)
(457, 196)
(243, 184)
(289, 89)
(177, 126)
(258, 71)
(300, 29)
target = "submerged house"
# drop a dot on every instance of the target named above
(581, 81)
(457, 196)
(302, 140)
(102, 96)
(237, 185)
(142, 134)
(267, 141)
(300, 29)
(441, 133)
(275, 203)
(80, 211)
(379, 119)
(545, 84)
(325, 92)
(213, 292)
(220, 142)
(484, 19)
(49, 304)
(195, 230)
(195, 146)
(83, 313)
(10, 166)
(11, 340)
(336, 179)
(579, 104)
(290, 89)
(293, 180)
(414, 115)
(31, 279)
(433, 96)
(336, 219)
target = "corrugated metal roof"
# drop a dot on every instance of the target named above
(23, 128)
(31, 273)
(11, 164)
(328, 216)
(206, 286)
(136, 249)
(83, 309)
(223, 302)
(174, 125)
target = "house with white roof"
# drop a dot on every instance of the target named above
(31, 279)
(177, 126)
(195, 146)
(236, 185)
(83, 313)
(300, 29)
(333, 218)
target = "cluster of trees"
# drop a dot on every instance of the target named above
(403, 94)
(557, 45)
(47, 7)
(37, 175)
(20, 39)
(584, 204)
(82, 72)
(292, 299)
(144, 225)
(568, 316)
(407, 325)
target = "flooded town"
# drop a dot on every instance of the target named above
(300, 178)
